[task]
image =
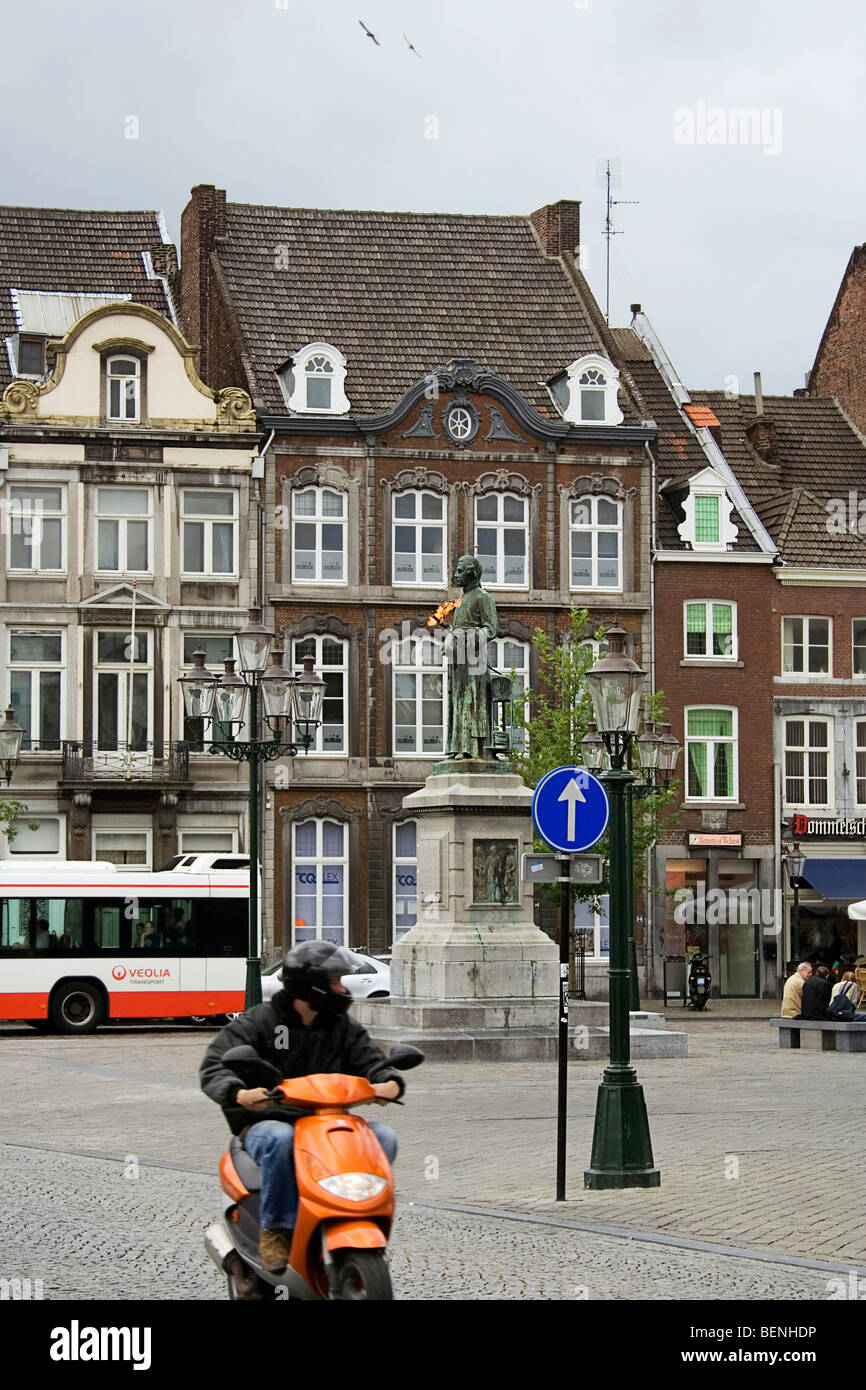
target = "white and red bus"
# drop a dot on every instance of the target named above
(84, 942)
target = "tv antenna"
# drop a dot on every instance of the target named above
(609, 175)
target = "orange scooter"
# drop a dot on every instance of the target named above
(345, 1189)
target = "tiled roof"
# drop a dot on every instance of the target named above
(701, 415)
(820, 459)
(64, 249)
(399, 294)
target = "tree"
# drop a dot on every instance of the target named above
(557, 716)
(10, 811)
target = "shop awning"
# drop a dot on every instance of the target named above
(840, 880)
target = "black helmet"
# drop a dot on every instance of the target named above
(308, 970)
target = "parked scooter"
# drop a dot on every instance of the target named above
(345, 1188)
(700, 982)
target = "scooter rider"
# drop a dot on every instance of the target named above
(304, 1029)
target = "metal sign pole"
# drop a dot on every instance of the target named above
(562, 1083)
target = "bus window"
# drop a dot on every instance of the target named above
(106, 926)
(221, 926)
(15, 929)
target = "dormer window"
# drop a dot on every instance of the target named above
(593, 384)
(707, 509)
(31, 356)
(123, 397)
(314, 382)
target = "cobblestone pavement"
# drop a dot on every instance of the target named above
(758, 1149)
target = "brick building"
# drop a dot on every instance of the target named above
(760, 649)
(839, 369)
(430, 386)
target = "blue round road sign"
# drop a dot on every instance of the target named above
(570, 809)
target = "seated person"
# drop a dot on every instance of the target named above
(848, 986)
(793, 994)
(816, 995)
(43, 934)
(147, 937)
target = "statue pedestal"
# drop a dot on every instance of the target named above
(475, 940)
(475, 979)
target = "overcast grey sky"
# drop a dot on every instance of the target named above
(735, 249)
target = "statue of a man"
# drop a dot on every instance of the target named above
(475, 623)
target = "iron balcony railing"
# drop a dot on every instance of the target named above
(85, 761)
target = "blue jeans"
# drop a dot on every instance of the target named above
(270, 1143)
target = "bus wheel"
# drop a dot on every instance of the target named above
(77, 1008)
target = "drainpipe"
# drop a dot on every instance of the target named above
(649, 932)
(261, 768)
(777, 878)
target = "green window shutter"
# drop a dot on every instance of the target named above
(696, 629)
(707, 519)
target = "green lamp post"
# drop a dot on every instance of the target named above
(293, 699)
(621, 1147)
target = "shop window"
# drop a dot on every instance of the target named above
(405, 877)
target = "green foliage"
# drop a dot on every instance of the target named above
(557, 716)
(10, 811)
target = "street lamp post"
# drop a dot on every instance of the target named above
(290, 698)
(621, 1147)
(796, 861)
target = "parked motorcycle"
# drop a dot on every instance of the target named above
(345, 1187)
(700, 982)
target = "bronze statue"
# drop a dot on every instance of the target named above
(474, 624)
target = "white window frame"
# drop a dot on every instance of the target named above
(416, 667)
(709, 605)
(499, 527)
(402, 862)
(122, 520)
(593, 364)
(337, 376)
(12, 850)
(806, 719)
(859, 761)
(519, 674)
(35, 685)
(208, 522)
(116, 827)
(733, 741)
(855, 674)
(23, 518)
(708, 483)
(419, 524)
(121, 669)
(319, 639)
(124, 394)
(594, 529)
(321, 861)
(319, 518)
(204, 831)
(599, 919)
(807, 620)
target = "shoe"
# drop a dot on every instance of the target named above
(274, 1250)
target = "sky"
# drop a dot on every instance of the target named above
(738, 227)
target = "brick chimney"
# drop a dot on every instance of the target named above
(558, 227)
(761, 433)
(203, 220)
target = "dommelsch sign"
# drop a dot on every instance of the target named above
(837, 829)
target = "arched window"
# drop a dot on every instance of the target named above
(511, 658)
(419, 698)
(315, 382)
(123, 394)
(593, 383)
(320, 880)
(595, 525)
(319, 536)
(405, 877)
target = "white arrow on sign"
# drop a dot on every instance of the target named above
(572, 794)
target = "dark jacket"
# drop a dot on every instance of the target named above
(333, 1043)
(816, 997)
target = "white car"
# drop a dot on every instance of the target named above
(371, 979)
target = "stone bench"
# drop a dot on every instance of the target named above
(835, 1037)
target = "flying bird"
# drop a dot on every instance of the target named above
(412, 48)
(369, 33)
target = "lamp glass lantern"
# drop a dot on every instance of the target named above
(230, 698)
(593, 749)
(254, 642)
(669, 750)
(649, 746)
(276, 683)
(199, 689)
(307, 694)
(615, 686)
(11, 735)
